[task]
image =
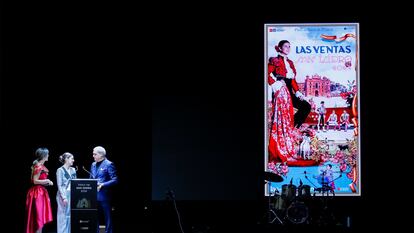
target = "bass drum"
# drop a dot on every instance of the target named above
(304, 192)
(297, 213)
(288, 192)
(280, 204)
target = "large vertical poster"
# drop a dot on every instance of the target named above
(311, 104)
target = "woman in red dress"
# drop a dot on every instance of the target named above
(38, 208)
(281, 123)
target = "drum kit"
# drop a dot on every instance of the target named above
(291, 204)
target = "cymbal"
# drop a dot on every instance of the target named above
(269, 176)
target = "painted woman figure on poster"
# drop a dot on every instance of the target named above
(64, 175)
(284, 69)
(281, 123)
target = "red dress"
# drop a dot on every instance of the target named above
(38, 208)
(281, 140)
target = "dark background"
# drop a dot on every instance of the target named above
(69, 83)
(176, 97)
(207, 135)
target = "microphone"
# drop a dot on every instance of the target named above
(87, 171)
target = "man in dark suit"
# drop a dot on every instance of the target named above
(104, 171)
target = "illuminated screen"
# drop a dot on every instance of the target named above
(311, 108)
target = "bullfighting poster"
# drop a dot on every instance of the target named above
(311, 104)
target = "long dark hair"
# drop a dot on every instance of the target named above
(40, 154)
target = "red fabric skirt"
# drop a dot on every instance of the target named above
(38, 208)
(281, 140)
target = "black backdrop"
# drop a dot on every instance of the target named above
(176, 98)
(207, 133)
(68, 83)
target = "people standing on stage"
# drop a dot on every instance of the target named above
(64, 175)
(322, 112)
(104, 170)
(38, 207)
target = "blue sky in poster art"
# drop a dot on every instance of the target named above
(326, 64)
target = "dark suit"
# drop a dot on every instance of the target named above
(106, 175)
